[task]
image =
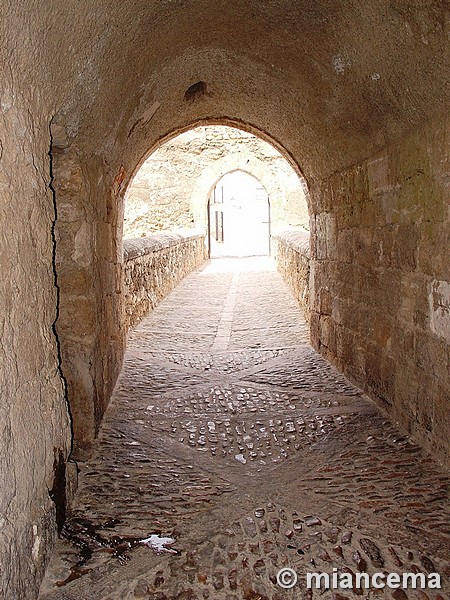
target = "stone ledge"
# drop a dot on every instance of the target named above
(297, 240)
(137, 247)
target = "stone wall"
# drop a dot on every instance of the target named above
(380, 280)
(153, 266)
(34, 418)
(293, 261)
(172, 187)
(89, 265)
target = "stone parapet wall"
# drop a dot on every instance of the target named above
(154, 265)
(293, 261)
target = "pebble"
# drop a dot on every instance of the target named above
(249, 527)
(372, 551)
(312, 521)
(427, 564)
(346, 537)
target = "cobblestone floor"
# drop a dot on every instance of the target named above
(229, 434)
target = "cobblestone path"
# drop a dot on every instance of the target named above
(229, 434)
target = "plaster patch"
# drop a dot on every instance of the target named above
(36, 545)
(439, 302)
(82, 254)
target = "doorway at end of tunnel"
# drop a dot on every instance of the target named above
(239, 217)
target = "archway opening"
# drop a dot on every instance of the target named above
(173, 187)
(239, 217)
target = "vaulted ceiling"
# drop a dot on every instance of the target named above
(331, 81)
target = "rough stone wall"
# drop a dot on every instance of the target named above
(154, 201)
(90, 323)
(293, 261)
(380, 279)
(153, 266)
(34, 419)
(172, 187)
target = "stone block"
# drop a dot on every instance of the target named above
(441, 425)
(433, 255)
(364, 251)
(320, 237)
(78, 315)
(346, 350)
(70, 211)
(75, 280)
(406, 389)
(325, 301)
(439, 307)
(381, 329)
(414, 300)
(402, 341)
(431, 354)
(345, 245)
(348, 215)
(380, 374)
(321, 197)
(425, 421)
(331, 236)
(315, 329)
(404, 247)
(345, 280)
(328, 334)
(382, 290)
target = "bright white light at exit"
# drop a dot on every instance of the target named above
(239, 217)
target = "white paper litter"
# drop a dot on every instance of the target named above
(158, 544)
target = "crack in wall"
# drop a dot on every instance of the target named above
(56, 284)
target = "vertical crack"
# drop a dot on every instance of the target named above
(56, 283)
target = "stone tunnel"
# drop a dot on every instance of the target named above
(354, 95)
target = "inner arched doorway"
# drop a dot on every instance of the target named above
(238, 217)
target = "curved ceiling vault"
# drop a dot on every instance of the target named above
(331, 81)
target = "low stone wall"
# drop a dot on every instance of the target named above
(292, 255)
(154, 265)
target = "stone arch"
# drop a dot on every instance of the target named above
(245, 231)
(258, 169)
(256, 154)
(228, 171)
(246, 126)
